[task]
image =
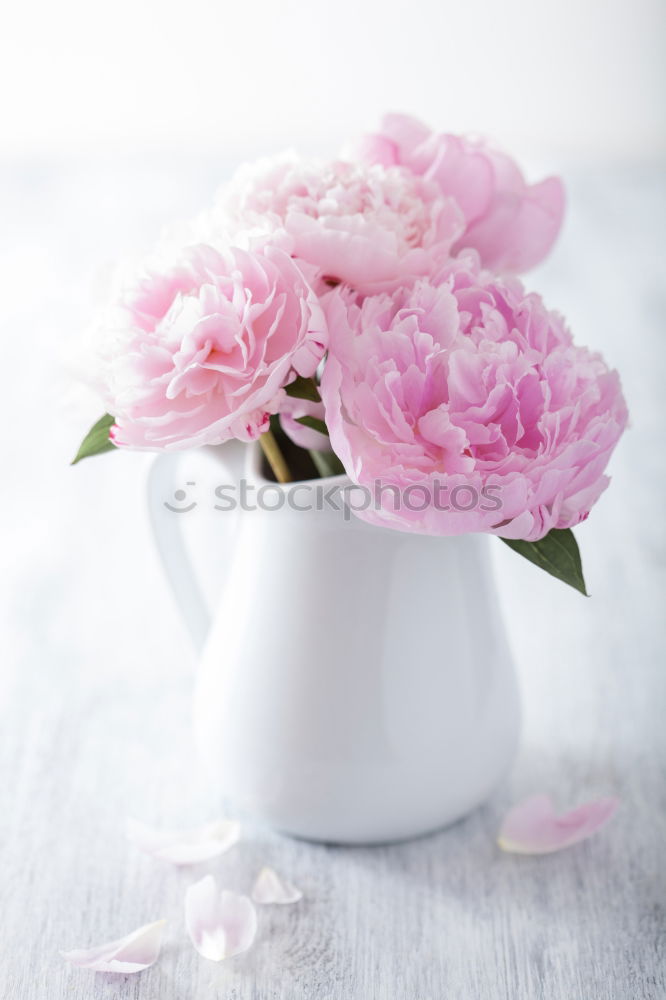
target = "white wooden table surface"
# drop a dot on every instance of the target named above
(96, 671)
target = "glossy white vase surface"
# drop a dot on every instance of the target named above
(355, 683)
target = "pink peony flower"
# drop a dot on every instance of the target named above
(511, 224)
(198, 352)
(365, 225)
(466, 401)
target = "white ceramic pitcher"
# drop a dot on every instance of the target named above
(355, 683)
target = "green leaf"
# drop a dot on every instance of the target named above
(96, 440)
(327, 463)
(314, 423)
(303, 388)
(557, 553)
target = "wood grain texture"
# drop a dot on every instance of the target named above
(97, 673)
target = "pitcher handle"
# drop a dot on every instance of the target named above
(168, 534)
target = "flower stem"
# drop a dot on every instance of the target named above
(274, 457)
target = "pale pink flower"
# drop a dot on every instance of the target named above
(512, 224)
(533, 826)
(464, 392)
(199, 351)
(365, 225)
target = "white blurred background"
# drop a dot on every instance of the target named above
(580, 79)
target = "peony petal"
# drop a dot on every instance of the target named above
(270, 888)
(533, 827)
(184, 847)
(132, 953)
(290, 412)
(220, 924)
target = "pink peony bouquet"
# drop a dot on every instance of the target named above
(366, 312)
